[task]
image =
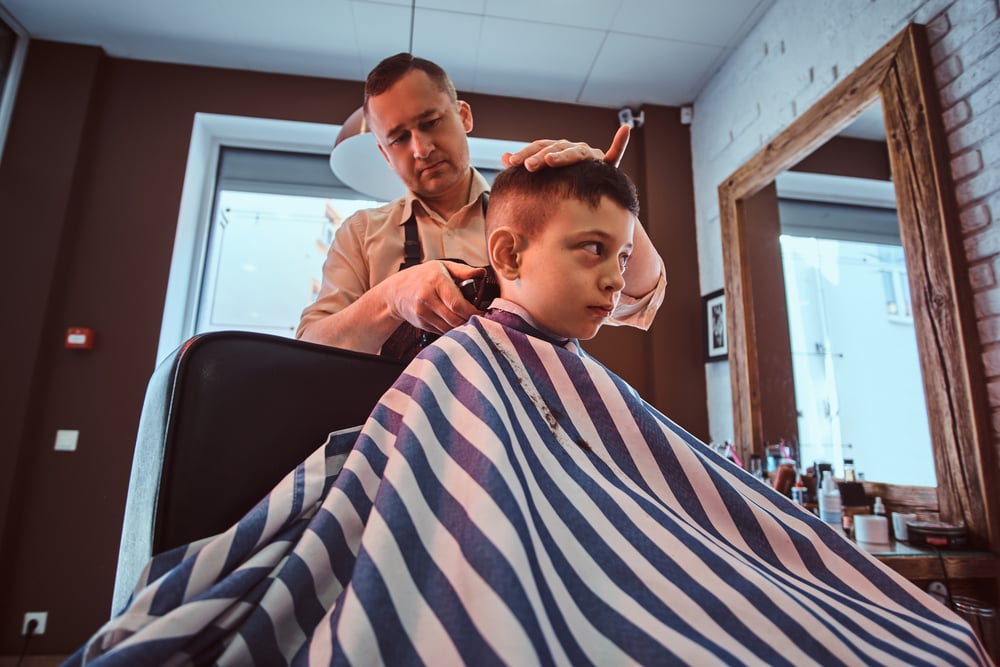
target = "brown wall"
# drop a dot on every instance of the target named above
(90, 186)
(847, 156)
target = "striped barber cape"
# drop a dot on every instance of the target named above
(511, 501)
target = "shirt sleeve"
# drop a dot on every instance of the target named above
(639, 311)
(345, 272)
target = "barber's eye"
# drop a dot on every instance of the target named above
(401, 139)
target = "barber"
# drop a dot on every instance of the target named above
(420, 125)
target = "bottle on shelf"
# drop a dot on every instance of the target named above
(784, 477)
(879, 508)
(850, 474)
(799, 490)
(830, 508)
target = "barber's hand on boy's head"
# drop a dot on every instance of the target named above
(550, 153)
(427, 297)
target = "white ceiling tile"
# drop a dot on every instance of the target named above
(458, 6)
(596, 14)
(400, 3)
(534, 60)
(382, 30)
(633, 71)
(714, 22)
(452, 41)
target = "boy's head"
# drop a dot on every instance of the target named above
(559, 239)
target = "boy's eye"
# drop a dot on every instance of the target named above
(623, 261)
(593, 247)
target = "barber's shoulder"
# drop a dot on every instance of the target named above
(368, 220)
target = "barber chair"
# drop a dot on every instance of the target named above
(224, 419)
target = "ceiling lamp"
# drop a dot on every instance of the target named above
(356, 159)
(358, 163)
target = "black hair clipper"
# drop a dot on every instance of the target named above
(406, 341)
(481, 290)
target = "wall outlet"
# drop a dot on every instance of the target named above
(66, 440)
(40, 616)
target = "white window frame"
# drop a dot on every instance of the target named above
(13, 80)
(210, 132)
(836, 189)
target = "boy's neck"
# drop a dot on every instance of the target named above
(506, 305)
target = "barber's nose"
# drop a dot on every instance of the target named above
(422, 146)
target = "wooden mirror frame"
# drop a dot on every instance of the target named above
(899, 74)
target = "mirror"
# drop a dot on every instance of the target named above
(840, 266)
(899, 76)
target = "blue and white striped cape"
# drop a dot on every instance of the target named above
(511, 501)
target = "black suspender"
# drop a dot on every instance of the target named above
(413, 252)
(407, 340)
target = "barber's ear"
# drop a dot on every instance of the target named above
(505, 246)
(465, 113)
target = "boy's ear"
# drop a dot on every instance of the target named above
(505, 246)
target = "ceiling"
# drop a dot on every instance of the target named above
(607, 53)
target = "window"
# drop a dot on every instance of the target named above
(258, 210)
(274, 217)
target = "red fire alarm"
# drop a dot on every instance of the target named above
(79, 338)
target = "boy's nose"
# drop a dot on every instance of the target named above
(614, 280)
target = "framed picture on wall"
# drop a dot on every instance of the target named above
(714, 317)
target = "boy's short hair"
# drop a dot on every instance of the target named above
(524, 199)
(393, 68)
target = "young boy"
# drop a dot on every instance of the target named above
(559, 242)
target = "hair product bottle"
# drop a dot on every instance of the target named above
(829, 500)
(799, 490)
(850, 474)
(879, 508)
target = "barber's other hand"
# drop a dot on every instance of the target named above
(559, 153)
(427, 297)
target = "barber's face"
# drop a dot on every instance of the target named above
(422, 134)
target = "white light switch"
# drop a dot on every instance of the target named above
(66, 440)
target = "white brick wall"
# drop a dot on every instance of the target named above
(793, 56)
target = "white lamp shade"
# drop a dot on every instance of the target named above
(357, 162)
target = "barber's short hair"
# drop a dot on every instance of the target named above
(393, 68)
(525, 200)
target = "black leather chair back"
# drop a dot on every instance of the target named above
(224, 419)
